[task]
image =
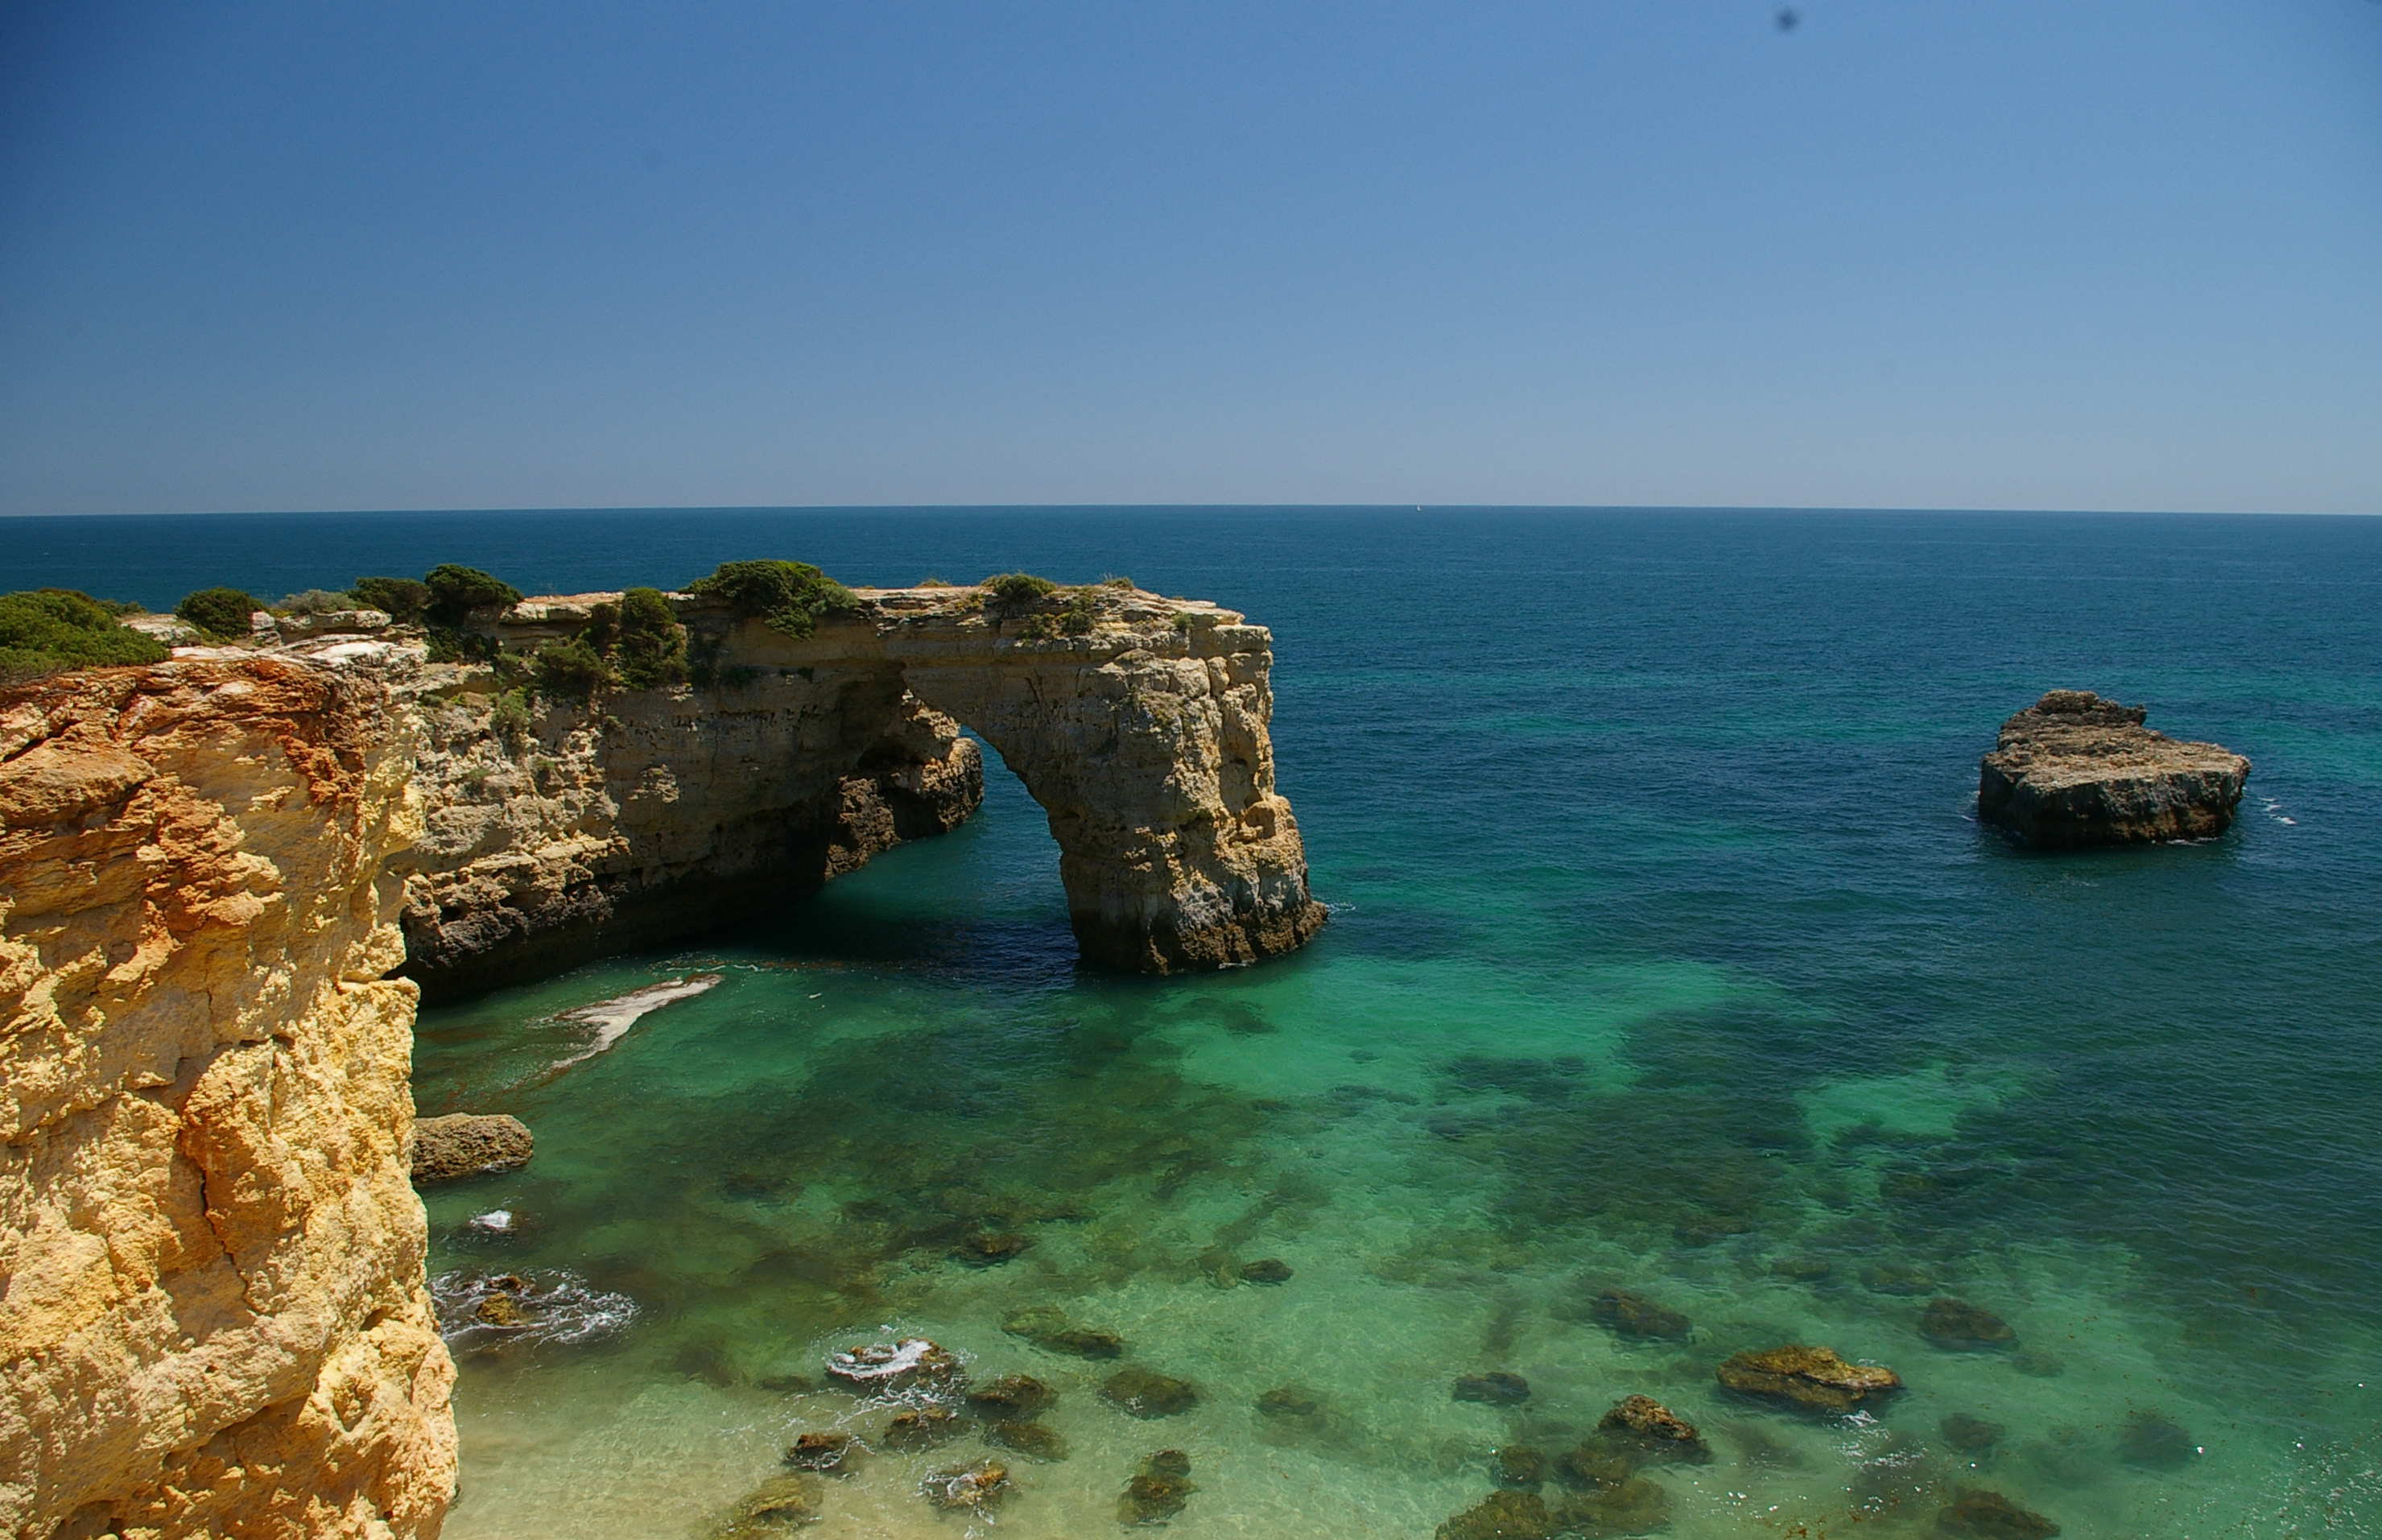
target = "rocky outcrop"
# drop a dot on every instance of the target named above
(464, 1144)
(1139, 723)
(214, 1320)
(1813, 1377)
(2075, 770)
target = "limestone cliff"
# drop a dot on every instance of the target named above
(214, 1320)
(2075, 770)
(1139, 723)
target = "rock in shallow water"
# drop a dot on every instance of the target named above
(2074, 771)
(2153, 1443)
(1964, 1328)
(1990, 1516)
(1971, 1434)
(1519, 1466)
(924, 1428)
(882, 1366)
(1147, 1393)
(819, 1451)
(968, 1488)
(1013, 1397)
(1047, 1326)
(776, 1505)
(1030, 1438)
(1813, 1377)
(464, 1144)
(1654, 1429)
(1494, 1388)
(1502, 1516)
(1272, 1270)
(1635, 1315)
(1160, 1489)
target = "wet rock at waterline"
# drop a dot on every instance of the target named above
(1035, 1440)
(1812, 1377)
(1654, 1429)
(1494, 1388)
(1047, 1327)
(880, 1366)
(1971, 1434)
(1634, 1315)
(1975, 1515)
(1964, 1328)
(1272, 1270)
(2153, 1443)
(1147, 1393)
(1160, 1489)
(967, 1488)
(1519, 1466)
(1502, 1516)
(820, 1451)
(464, 1144)
(925, 1427)
(1634, 1507)
(776, 1505)
(1013, 1397)
(501, 1310)
(2074, 771)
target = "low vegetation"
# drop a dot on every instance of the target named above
(787, 597)
(403, 599)
(47, 630)
(1017, 588)
(222, 613)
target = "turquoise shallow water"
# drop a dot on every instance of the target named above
(1664, 952)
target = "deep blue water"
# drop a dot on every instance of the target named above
(1665, 948)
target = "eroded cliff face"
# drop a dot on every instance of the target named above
(654, 814)
(565, 832)
(214, 1321)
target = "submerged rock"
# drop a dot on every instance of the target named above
(1272, 1270)
(2074, 771)
(464, 1144)
(499, 1310)
(2153, 1443)
(1633, 1506)
(880, 1366)
(1964, 1328)
(1801, 1269)
(1013, 1397)
(1813, 1377)
(1519, 1465)
(1147, 1393)
(1289, 1400)
(1971, 1434)
(990, 1248)
(819, 1451)
(924, 1428)
(1654, 1429)
(1990, 1516)
(974, 1488)
(1502, 1516)
(1159, 1490)
(1034, 1439)
(1047, 1326)
(1494, 1388)
(1597, 1463)
(1636, 1316)
(776, 1505)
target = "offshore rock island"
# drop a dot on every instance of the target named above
(2074, 771)
(221, 876)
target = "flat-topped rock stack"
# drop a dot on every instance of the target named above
(2074, 771)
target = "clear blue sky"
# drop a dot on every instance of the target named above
(1901, 254)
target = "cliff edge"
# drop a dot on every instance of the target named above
(2074, 771)
(214, 1319)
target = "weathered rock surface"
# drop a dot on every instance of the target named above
(658, 813)
(463, 1143)
(2075, 770)
(1990, 1516)
(214, 1320)
(1813, 1377)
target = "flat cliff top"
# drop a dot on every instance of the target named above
(2073, 737)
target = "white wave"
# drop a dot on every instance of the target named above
(612, 1018)
(553, 1305)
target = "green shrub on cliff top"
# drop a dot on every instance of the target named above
(403, 599)
(568, 671)
(1017, 588)
(455, 590)
(787, 597)
(649, 646)
(221, 612)
(50, 629)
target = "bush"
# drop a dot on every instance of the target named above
(787, 597)
(51, 629)
(649, 648)
(509, 720)
(568, 671)
(456, 591)
(315, 601)
(1017, 588)
(221, 612)
(403, 598)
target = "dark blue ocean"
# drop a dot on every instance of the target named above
(1665, 954)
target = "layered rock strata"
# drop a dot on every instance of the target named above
(661, 813)
(2074, 771)
(214, 1321)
